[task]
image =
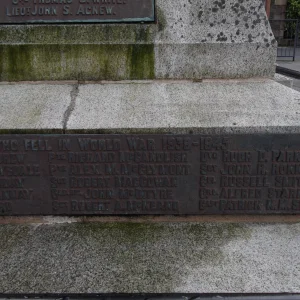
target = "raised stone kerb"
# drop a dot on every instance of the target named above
(179, 107)
(150, 258)
(210, 107)
(191, 40)
(33, 107)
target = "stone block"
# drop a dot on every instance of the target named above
(32, 107)
(150, 258)
(287, 81)
(190, 40)
(210, 107)
(183, 107)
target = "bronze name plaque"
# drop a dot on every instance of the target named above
(149, 174)
(76, 11)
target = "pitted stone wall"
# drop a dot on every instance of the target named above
(191, 40)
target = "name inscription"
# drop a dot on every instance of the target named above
(149, 174)
(76, 11)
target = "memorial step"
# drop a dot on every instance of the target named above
(243, 125)
(171, 148)
(181, 107)
(146, 258)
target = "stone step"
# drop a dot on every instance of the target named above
(150, 258)
(157, 297)
(208, 107)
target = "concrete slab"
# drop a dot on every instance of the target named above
(150, 258)
(184, 107)
(27, 107)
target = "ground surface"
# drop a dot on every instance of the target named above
(292, 65)
(296, 85)
(150, 258)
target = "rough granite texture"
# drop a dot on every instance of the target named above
(227, 107)
(150, 258)
(33, 106)
(287, 81)
(191, 40)
(151, 107)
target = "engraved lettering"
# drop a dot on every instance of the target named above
(147, 174)
(90, 11)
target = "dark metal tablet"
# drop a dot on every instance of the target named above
(149, 174)
(76, 11)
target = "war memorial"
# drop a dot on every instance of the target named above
(146, 148)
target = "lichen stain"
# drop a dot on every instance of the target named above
(72, 61)
(153, 252)
(126, 257)
(12, 237)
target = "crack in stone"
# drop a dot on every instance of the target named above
(74, 93)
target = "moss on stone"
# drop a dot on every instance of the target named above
(76, 62)
(141, 62)
(31, 131)
(207, 240)
(129, 232)
(161, 19)
(10, 237)
(126, 131)
(124, 257)
(15, 62)
(78, 53)
(228, 231)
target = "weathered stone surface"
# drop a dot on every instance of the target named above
(30, 107)
(287, 81)
(151, 107)
(150, 258)
(208, 107)
(192, 39)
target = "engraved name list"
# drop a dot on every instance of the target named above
(76, 11)
(149, 174)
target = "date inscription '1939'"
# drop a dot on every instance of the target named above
(149, 174)
(76, 11)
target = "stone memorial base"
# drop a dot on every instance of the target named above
(165, 79)
(150, 255)
(130, 257)
(150, 107)
(184, 42)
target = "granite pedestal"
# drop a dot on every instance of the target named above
(203, 67)
(186, 41)
(150, 255)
